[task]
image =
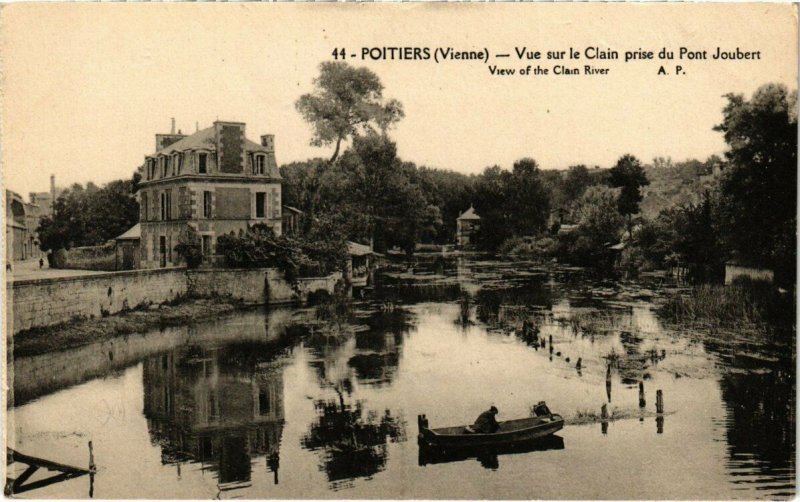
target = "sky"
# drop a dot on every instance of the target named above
(86, 86)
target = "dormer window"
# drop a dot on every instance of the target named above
(151, 169)
(260, 166)
(175, 164)
(163, 161)
(202, 160)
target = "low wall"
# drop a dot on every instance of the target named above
(87, 258)
(256, 286)
(734, 271)
(45, 302)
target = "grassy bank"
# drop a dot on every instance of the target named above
(81, 332)
(742, 303)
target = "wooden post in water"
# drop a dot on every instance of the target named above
(642, 402)
(659, 402)
(92, 467)
(578, 365)
(604, 412)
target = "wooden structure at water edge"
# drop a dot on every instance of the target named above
(63, 472)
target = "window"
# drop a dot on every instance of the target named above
(175, 159)
(163, 162)
(151, 169)
(261, 204)
(180, 162)
(206, 243)
(260, 165)
(206, 204)
(166, 205)
(201, 163)
(144, 206)
(263, 402)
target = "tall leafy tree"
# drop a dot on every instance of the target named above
(759, 184)
(628, 174)
(346, 101)
(89, 216)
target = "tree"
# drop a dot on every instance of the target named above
(89, 216)
(758, 189)
(629, 175)
(346, 101)
(599, 224)
(577, 181)
(528, 200)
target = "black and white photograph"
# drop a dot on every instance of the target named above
(420, 251)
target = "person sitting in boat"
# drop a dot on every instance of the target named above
(485, 423)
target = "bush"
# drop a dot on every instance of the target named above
(318, 254)
(189, 248)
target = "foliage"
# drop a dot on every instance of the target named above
(510, 204)
(189, 247)
(628, 174)
(759, 185)
(89, 216)
(322, 253)
(744, 302)
(599, 225)
(346, 101)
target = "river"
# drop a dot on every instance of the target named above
(301, 403)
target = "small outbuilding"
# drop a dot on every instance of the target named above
(127, 248)
(467, 226)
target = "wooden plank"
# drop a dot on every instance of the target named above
(40, 462)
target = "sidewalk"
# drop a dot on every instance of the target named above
(29, 269)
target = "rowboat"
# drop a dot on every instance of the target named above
(543, 424)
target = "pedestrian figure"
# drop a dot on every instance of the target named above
(41, 263)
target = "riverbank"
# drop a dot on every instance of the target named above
(77, 333)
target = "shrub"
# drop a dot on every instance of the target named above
(189, 248)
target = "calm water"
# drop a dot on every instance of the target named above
(267, 404)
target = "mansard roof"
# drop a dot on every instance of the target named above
(205, 139)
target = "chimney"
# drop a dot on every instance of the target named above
(52, 194)
(172, 131)
(268, 141)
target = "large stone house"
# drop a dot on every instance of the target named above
(215, 181)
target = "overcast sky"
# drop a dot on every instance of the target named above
(86, 86)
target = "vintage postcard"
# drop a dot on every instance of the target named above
(399, 250)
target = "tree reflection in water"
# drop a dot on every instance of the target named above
(351, 445)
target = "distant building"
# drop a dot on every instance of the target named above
(46, 200)
(735, 269)
(466, 226)
(290, 218)
(215, 181)
(22, 220)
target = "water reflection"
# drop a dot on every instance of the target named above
(214, 395)
(351, 445)
(488, 457)
(221, 406)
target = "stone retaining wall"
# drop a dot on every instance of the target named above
(45, 302)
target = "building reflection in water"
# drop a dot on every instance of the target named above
(219, 406)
